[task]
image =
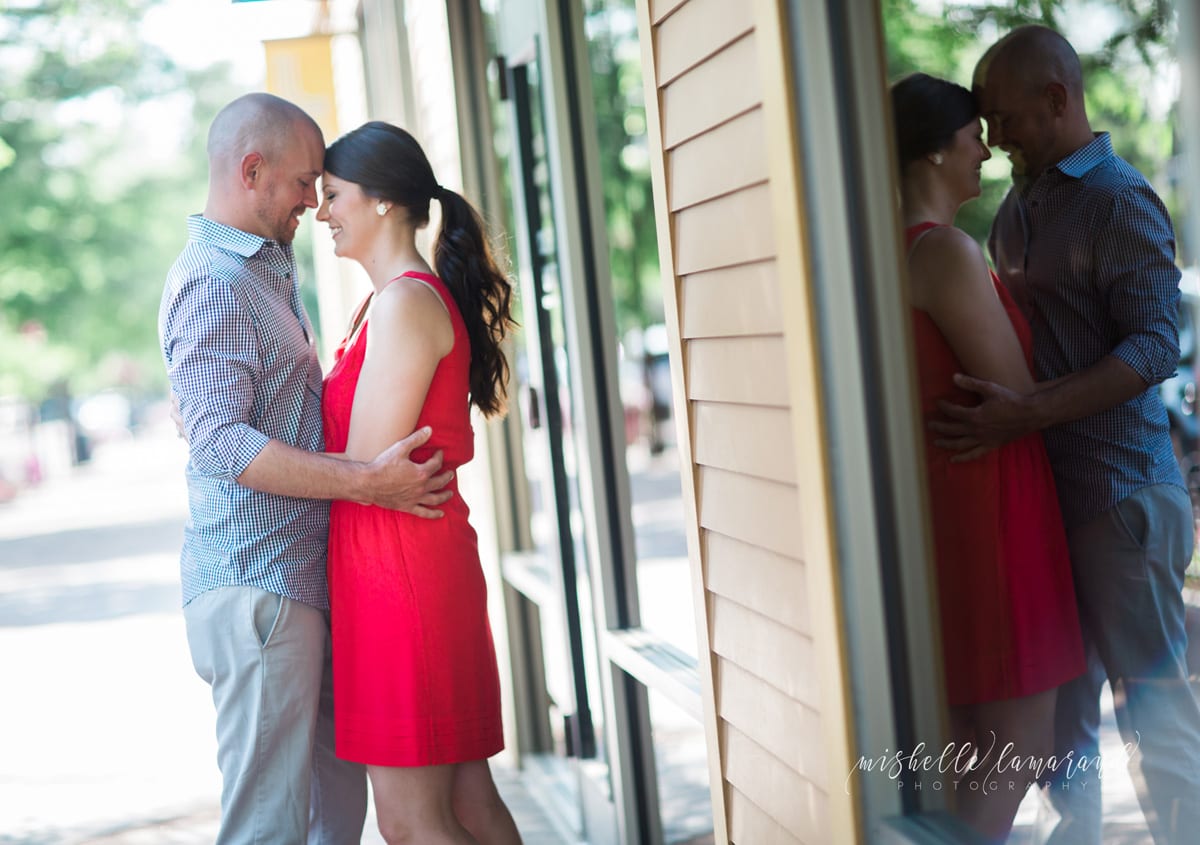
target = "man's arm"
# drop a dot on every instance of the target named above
(1134, 256)
(1004, 415)
(210, 345)
(390, 481)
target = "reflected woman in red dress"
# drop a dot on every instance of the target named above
(1010, 629)
(416, 688)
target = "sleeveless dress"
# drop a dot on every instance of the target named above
(1010, 626)
(414, 669)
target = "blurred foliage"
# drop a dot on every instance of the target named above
(619, 99)
(1119, 72)
(95, 191)
(942, 38)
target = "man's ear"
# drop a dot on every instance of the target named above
(1056, 94)
(251, 170)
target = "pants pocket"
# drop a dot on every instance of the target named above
(266, 611)
(1130, 514)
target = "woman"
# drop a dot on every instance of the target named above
(415, 676)
(1010, 630)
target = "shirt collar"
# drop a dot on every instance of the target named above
(206, 230)
(1078, 163)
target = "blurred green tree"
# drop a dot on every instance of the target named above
(619, 100)
(1119, 73)
(100, 161)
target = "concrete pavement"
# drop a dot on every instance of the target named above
(106, 733)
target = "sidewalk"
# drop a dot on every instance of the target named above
(201, 828)
(1123, 822)
(106, 733)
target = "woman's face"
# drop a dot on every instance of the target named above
(964, 158)
(351, 215)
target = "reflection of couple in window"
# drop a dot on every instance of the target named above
(1061, 525)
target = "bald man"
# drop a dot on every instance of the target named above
(1089, 251)
(242, 363)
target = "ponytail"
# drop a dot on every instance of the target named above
(463, 261)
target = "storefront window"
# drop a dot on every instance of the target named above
(645, 384)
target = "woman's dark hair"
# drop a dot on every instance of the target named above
(387, 163)
(927, 112)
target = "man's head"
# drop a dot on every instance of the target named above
(1030, 90)
(265, 155)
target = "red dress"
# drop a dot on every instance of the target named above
(1010, 626)
(414, 670)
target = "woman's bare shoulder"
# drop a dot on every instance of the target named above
(946, 262)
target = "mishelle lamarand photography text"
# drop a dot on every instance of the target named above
(998, 767)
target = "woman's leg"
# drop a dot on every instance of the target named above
(414, 805)
(988, 797)
(479, 806)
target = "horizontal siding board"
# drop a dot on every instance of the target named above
(713, 92)
(659, 9)
(724, 232)
(774, 585)
(748, 825)
(697, 30)
(742, 370)
(774, 653)
(730, 302)
(796, 804)
(791, 731)
(759, 512)
(749, 439)
(724, 160)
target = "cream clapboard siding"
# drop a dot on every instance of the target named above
(710, 68)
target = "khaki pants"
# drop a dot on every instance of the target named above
(1128, 565)
(267, 659)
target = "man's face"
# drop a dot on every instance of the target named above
(288, 184)
(1020, 121)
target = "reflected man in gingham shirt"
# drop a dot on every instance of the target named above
(1088, 250)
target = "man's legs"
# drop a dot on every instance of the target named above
(1129, 564)
(339, 788)
(263, 656)
(1069, 808)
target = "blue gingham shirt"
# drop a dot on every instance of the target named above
(241, 359)
(1088, 251)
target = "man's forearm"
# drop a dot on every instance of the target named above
(287, 471)
(1107, 383)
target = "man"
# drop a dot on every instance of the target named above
(1088, 249)
(242, 363)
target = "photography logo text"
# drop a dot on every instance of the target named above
(996, 767)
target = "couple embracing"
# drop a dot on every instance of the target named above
(1061, 524)
(378, 600)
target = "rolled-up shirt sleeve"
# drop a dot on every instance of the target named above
(211, 349)
(1137, 273)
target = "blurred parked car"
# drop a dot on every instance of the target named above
(105, 416)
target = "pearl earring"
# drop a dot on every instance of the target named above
(936, 158)
(381, 209)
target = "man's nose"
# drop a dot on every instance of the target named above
(310, 197)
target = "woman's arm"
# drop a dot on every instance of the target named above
(408, 334)
(949, 280)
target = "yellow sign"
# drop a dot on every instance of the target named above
(301, 70)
